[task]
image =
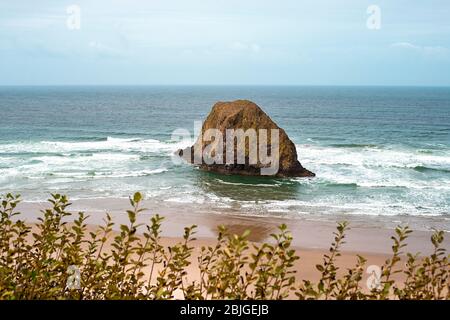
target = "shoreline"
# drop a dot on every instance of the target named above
(308, 233)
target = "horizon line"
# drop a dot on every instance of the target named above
(228, 85)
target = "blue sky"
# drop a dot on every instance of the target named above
(285, 42)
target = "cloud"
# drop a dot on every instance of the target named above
(428, 50)
(246, 47)
(405, 45)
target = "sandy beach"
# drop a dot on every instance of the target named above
(365, 236)
(311, 238)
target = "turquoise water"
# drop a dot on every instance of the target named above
(375, 150)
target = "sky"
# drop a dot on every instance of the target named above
(225, 42)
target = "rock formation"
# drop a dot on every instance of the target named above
(243, 115)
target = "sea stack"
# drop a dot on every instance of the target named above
(226, 117)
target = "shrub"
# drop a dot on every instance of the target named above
(54, 259)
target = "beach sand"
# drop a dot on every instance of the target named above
(311, 238)
(366, 235)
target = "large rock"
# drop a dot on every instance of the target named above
(244, 114)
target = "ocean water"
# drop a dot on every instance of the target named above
(377, 151)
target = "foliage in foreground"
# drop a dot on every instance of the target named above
(54, 259)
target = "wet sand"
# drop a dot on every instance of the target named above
(308, 234)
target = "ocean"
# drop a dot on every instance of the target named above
(376, 151)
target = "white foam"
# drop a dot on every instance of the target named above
(110, 144)
(248, 184)
(371, 167)
(370, 157)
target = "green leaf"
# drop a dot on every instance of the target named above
(137, 197)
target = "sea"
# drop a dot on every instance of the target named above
(376, 151)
